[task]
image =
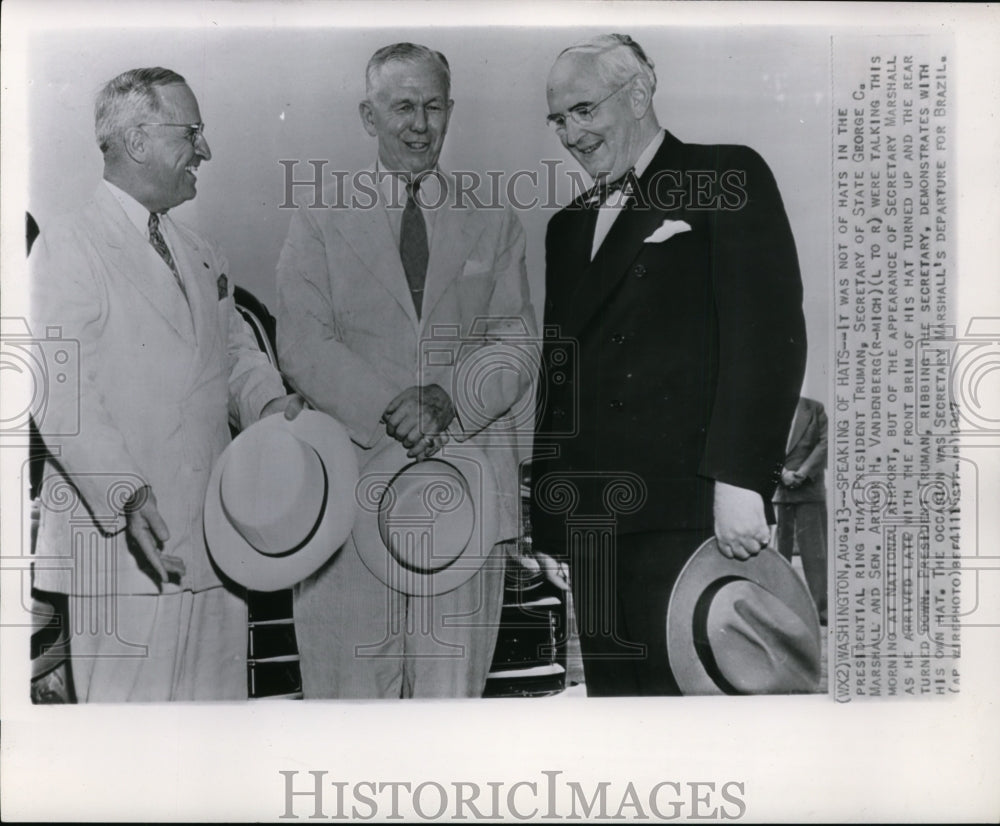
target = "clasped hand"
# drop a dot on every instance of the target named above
(791, 478)
(418, 417)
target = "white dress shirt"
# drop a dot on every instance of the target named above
(616, 201)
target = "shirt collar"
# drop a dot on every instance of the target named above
(136, 212)
(618, 193)
(647, 154)
(392, 186)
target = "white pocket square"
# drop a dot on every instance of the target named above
(667, 229)
(476, 268)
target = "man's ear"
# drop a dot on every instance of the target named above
(136, 143)
(367, 117)
(641, 95)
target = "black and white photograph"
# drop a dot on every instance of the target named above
(441, 411)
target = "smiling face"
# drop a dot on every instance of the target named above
(408, 111)
(614, 139)
(170, 165)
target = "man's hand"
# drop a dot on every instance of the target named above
(292, 405)
(740, 526)
(788, 478)
(146, 534)
(417, 418)
(555, 572)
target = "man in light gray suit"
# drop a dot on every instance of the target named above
(360, 293)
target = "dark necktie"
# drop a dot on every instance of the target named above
(156, 239)
(413, 248)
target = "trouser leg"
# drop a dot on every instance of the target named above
(621, 595)
(159, 647)
(811, 540)
(450, 637)
(785, 534)
(349, 629)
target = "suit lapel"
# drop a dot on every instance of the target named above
(567, 257)
(202, 288)
(368, 233)
(454, 235)
(799, 423)
(132, 256)
(622, 244)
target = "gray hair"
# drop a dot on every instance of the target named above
(127, 98)
(405, 51)
(619, 58)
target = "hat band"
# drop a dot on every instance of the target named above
(699, 633)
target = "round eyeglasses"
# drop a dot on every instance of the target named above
(583, 113)
(195, 131)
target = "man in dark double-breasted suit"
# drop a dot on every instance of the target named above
(674, 360)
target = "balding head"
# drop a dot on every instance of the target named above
(615, 57)
(600, 95)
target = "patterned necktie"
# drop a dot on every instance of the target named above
(413, 248)
(156, 239)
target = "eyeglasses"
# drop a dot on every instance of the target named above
(196, 131)
(583, 113)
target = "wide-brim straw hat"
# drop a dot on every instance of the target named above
(425, 528)
(742, 627)
(281, 500)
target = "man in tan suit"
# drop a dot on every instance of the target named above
(361, 294)
(165, 366)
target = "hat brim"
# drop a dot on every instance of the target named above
(472, 463)
(237, 558)
(708, 567)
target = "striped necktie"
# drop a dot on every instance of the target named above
(156, 239)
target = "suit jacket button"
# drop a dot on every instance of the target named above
(639, 270)
(615, 404)
(618, 338)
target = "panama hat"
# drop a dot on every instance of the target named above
(425, 528)
(742, 627)
(280, 500)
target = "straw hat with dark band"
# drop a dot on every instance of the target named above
(425, 528)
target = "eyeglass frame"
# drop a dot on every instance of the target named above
(583, 109)
(196, 130)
